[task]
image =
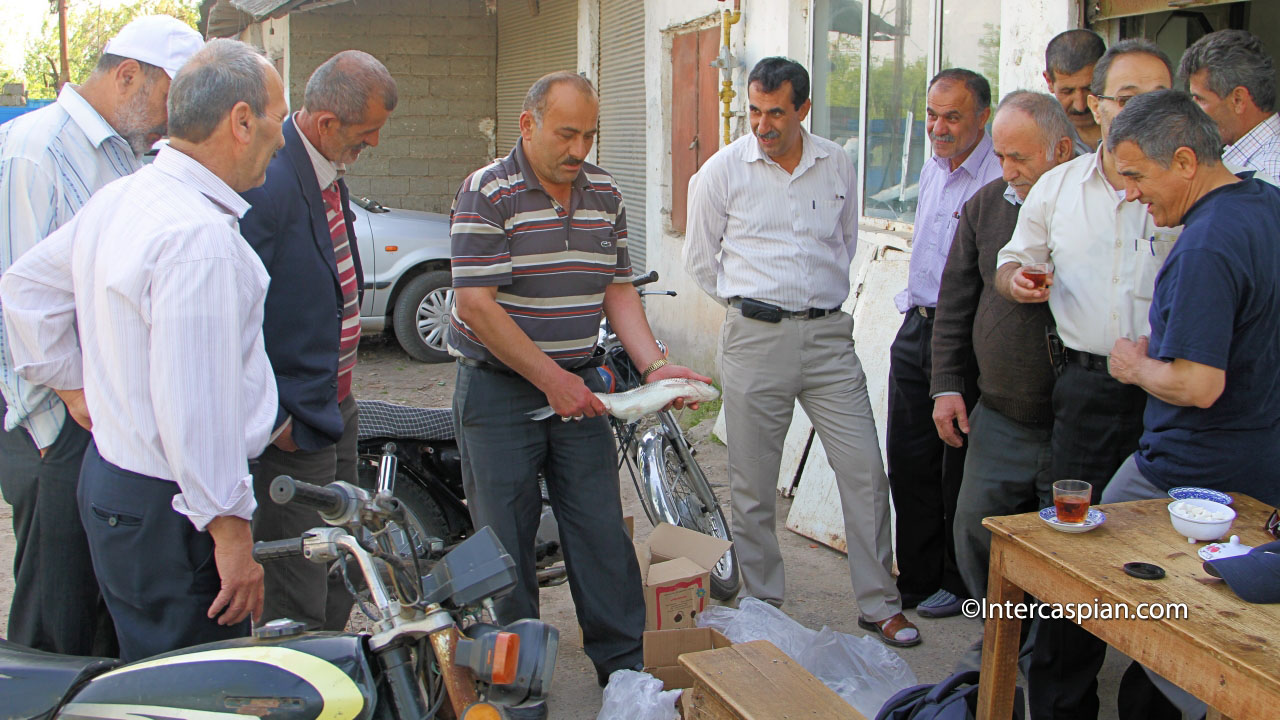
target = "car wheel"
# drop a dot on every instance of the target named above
(421, 316)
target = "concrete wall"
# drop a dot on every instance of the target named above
(1026, 27)
(443, 57)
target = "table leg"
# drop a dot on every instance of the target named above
(1216, 715)
(999, 640)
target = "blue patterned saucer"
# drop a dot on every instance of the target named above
(1197, 493)
(1095, 518)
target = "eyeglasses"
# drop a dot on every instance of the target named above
(1119, 99)
(1273, 524)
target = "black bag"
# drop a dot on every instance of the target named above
(955, 698)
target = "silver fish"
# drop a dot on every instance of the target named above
(646, 399)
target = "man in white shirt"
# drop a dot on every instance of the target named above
(51, 161)
(301, 208)
(773, 225)
(1106, 254)
(1233, 79)
(166, 299)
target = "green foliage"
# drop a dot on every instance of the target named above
(89, 27)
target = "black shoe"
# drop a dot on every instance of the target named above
(529, 712)
(602, 677)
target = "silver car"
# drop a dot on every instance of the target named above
(407, 282)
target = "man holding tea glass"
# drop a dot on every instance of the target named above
(1106, 254)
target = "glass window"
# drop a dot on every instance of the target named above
(837, 72)
(898, 72)
(971, 39)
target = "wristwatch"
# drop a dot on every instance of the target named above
(653, 367)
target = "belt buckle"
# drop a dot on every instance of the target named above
(924, 312)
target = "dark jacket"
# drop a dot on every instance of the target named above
(974, 323)
(303, 316)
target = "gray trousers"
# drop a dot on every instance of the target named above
(502, 453)
(1007, 471)
(1129, 484)
(766, 368)
(297, 588)
(57, 606)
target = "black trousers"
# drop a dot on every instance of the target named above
(56, 603)
(924, 472)
(156, 571)
(502, 452)
(297, 588)
(1097, 422)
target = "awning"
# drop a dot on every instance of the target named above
(1108, 9)
(227, 18)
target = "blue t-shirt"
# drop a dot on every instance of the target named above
(1217, 303)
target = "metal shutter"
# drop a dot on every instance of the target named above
(622, 112)
(530, 46)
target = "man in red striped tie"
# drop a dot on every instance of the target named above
(301, 226)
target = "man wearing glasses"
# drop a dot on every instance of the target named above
(1106, 253)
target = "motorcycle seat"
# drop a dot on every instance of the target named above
(380, 419)
(34, 682)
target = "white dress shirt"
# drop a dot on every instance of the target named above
(51, 161)
(1258, 150)
(327, 171)
(757, 231)
(1106, 253)
(169, 301)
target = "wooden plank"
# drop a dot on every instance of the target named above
(757, 681)
(684, 125)
(1223, 651)
(999, 641)
(708, 94)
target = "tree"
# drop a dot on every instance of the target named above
(89, 27)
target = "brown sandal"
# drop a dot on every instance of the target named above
(888, 630)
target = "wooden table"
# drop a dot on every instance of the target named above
(1226, 652)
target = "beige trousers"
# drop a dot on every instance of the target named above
(765, 369)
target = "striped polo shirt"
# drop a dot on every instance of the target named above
(551, 264)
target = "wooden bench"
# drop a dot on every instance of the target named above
(757, 681)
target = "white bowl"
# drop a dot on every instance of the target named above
(1201, 530)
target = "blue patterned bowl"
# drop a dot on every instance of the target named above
(1197, 493)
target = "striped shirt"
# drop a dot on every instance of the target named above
(551, 264)
(51, 161)
(943, 192)
(169, 299)
(758, 231)
(1258, 150)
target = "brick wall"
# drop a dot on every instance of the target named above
(442, 54)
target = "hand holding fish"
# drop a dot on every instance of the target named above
(644, 400)
(667, 372)
(569, 396)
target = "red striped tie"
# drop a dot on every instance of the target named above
(349, 335)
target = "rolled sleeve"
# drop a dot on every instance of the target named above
(478, 239)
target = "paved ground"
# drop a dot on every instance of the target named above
(817, 578)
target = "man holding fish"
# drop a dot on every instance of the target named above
(539, 251)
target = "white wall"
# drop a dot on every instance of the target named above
(1026, 27)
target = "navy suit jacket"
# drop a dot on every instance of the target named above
(302, 324)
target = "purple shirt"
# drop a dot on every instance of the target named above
(943, 192)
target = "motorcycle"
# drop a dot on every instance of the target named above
(419, 445)
(435, 637)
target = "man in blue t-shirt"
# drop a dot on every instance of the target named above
(1212, 364)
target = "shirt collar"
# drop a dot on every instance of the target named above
(187, 169)
(531, 178)
(1258, 136)
(809, 152)
(973, 163)
(327, 171)
(94, 126)
(1012, 196)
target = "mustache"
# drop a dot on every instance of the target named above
(1078, 112)
(942, 138)
(571, 160)
(771, 135)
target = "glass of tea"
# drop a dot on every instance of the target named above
(1038, 273)
(1071, 499)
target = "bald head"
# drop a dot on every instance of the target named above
(535, 101)
(347, 83)
(212, 82)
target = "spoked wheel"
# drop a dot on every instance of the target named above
(674, 489)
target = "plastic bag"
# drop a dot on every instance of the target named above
(632, 695)
(859, 669)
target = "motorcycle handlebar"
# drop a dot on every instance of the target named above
(651, 277)
(328, 501)
(277, 549)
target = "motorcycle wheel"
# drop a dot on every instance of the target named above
(683, 488)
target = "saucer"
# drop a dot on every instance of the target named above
(1198, 493)
(1218, 550)
(1095, 518)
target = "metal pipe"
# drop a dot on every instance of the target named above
(727, 20)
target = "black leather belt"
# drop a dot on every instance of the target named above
(1089, 361)
(594, 361)
(806, 314)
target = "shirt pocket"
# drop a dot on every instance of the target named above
(822, 217)
(1154, 251)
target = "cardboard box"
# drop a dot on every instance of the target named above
(663, 648)
(675, 566)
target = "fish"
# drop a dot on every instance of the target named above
(646, 399)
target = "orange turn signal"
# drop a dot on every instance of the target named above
(392, 248)
(506, 658)
(481, 711)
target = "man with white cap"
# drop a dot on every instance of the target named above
(51, 161)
